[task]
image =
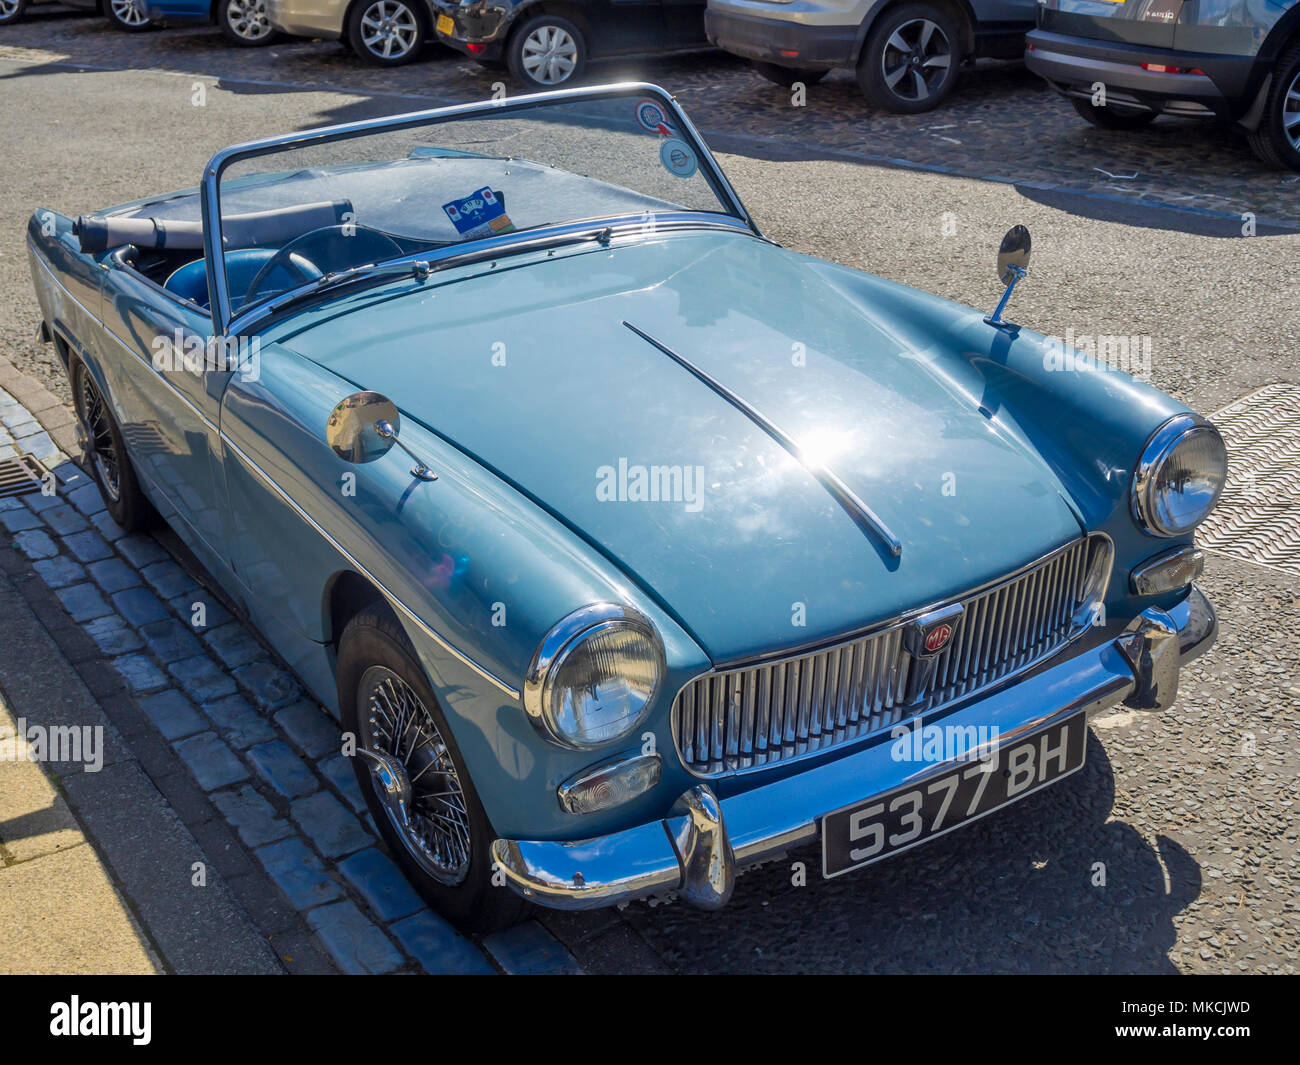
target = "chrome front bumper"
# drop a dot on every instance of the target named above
(697, 849)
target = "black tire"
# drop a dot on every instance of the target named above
(787, 76)
(245, 23)
(374, 644)
(396, 27)
(569, 60)
(1109, 118)
(12, 11)
(1271, 142)
(917, 77)
(126, 16)
(104, 454)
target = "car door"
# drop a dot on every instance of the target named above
(169, 402)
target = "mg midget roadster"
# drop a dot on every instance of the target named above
(630, 547)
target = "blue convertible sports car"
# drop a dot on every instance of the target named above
(628, 547)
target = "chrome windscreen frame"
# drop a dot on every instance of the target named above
(226, 322)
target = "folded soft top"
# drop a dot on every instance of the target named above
(258, 229)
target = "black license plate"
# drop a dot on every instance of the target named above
(885, 825)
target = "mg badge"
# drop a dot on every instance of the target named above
(924, 638)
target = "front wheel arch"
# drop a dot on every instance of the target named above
(960, 11)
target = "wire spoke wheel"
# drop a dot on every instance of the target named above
(431, 815)
(98, 441)
(128, 12)
(389, 30)
(916, 59)
(248, 19)
(550, 55)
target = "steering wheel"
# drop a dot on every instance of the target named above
(322, 251)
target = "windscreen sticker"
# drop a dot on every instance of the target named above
(677, 157)
(481, 214)
(651, 117)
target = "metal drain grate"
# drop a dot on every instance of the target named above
(1258, 517)
(20, 476)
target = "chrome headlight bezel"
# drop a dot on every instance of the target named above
(1146, 477)
(563, 640)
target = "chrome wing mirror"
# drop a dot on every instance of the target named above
(364, 427)
(1013, 264)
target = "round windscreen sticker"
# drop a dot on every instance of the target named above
(677, 157)
(650, 116)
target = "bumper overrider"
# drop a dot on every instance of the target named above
(697, 849)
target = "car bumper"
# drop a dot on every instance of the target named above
(307, 18)
(698, 848)
(478, 31)
(1072, 65)
(799, 45)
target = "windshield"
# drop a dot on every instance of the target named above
(294, 214)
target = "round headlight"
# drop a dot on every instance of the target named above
(594, 677)
(1180, 476)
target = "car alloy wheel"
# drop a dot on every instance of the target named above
(1291, 113)
(128, 14)
(413, 776)
(389, 30)
(95, 433)
(248, 21)
(11, 10)
(1276, 140)
(915, 60)
(549, 55)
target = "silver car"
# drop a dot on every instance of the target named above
(383, 32)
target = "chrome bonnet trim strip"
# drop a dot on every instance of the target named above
(419, 622)
(856, 509)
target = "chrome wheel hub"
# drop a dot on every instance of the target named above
(128, 12)
(550, 55)
(413, 776)
(916, 59)
(248, 19)
(389, 29)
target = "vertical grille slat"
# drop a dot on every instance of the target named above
(750, 717)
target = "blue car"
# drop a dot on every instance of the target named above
(629, 548)
(244, 22)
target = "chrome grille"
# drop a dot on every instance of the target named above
(752, 716)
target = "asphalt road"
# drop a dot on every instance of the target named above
(1192, 811)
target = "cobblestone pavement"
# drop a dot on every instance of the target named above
(1192, 812)
(1001, 122)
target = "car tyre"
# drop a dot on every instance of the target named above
(245, 23)
(12, 11)
(127, 16)
(911, 59)
(546, 52)
(450, 864)
(787, 76)
(1277, 140)
(1109, 118)
(104, 454)
(387, 33)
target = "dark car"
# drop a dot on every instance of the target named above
(548, 44)
(1123, 64)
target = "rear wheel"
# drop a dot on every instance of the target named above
(909, 63)
(127, 15)
(787, 76)
(387, 33)
(12, 11)
(104, 454)
(245, 22)
(414, 779)
(1277, 140)
(1109, 118)
(546, 52)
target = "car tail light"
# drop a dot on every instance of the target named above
(1161, 68)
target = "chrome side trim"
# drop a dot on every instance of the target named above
(856, 509)
(397, 604)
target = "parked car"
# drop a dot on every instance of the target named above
(546, 44)
(622, 541)
(16, 10)
(244, 22)
(384, 32)
(907, 55)
(1238, 62)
